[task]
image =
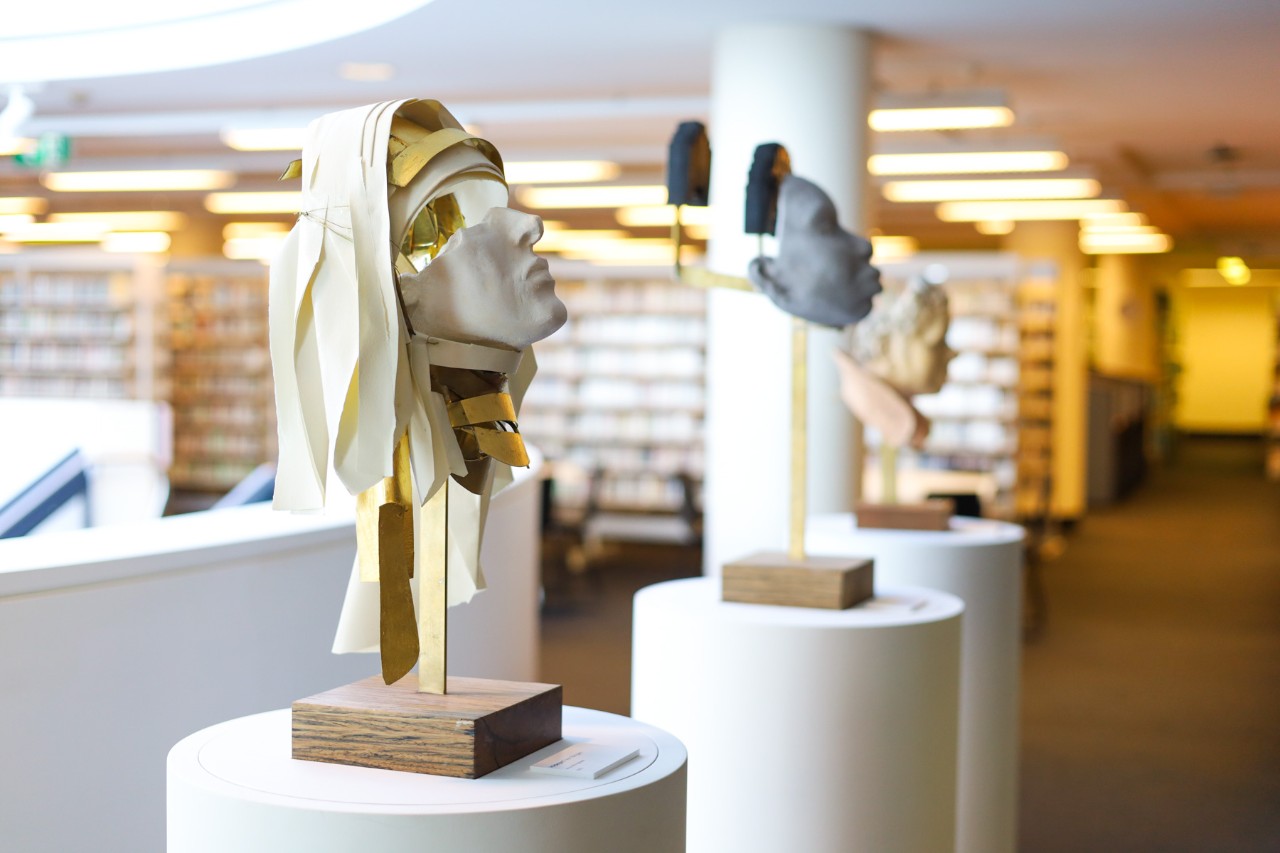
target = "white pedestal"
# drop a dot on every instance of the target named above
(234, 786)
(981, 562)
(823, 731)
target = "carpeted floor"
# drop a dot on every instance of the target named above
(1151, 698)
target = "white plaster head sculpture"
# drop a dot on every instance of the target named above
(904, 338)
(401, 307)
(822, 273)
(899, 350)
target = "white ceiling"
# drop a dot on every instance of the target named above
(1141, 90)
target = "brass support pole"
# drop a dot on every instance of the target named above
(799, 434)
(433, 593)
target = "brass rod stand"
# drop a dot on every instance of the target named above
(433, 593)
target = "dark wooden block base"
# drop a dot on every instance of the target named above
(930, 515)
(834, 583)
(475, 728)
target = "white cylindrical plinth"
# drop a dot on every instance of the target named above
(981, 562)
(823, 731)
(234, 786)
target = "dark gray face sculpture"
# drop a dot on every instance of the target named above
(822, 272)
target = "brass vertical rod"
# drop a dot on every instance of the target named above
(888, 472)
(677, 238)
(433, 593)
(799, 434)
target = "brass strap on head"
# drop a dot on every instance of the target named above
(482, 409)
(477, 423)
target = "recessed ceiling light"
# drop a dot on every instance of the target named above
(23, 204)
(261, 248)
(1124, 244)
(136, 242)
(16, 145)
(264, 138)
(1234, 270)
(242, 230)
(266, 202)
(995, 188)
(366, 72)
(995, 227)
(1016, 211)
(663, 215)
(126, 220)
(56, 232)
(138, 181)
(966, 162)
(585, 197)
(939, 111)
(560, 171)
(892, 247)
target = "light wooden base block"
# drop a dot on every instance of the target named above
(475, 728)
(929, 515)
(834, 583)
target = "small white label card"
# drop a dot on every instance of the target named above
(585, 760)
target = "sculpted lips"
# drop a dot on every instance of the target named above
(538, 269)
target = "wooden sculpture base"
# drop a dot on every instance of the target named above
(477, 727)
(929, 515)
(834, 583)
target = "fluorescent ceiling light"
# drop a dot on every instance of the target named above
(939, 111)
(994, 227)
(560, 171)
(44, 42)
(664, 216)
(645, 250)
(56, 232)
(1016, 211)
(698, 232)
(1120, 218)
(126, 220)
(892, 247)
(22, 204)
(10, 221)
(1124, 244)
(136, 242)
(995, 188)
(252, 248)
(560, 241)
(148, 181)
(966, 162)
(269, 202)
(1234, 270)
(16, 145)
(1089, 227)
(366, 72)
(584, 197)
(242, 230)
(264, 138)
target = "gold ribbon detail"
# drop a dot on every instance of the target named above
(482, 409)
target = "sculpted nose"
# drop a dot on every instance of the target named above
(531, 229)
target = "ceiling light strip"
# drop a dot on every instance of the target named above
(993, 189)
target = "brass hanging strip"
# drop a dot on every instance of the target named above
(433, 592)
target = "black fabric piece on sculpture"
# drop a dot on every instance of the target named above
(689, 165)
(761, 213)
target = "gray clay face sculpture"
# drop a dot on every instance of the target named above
(822, 273)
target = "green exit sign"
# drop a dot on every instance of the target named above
(51, 151)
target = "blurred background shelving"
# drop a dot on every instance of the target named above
(618, 403)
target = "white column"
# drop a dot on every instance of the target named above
(805, 87)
